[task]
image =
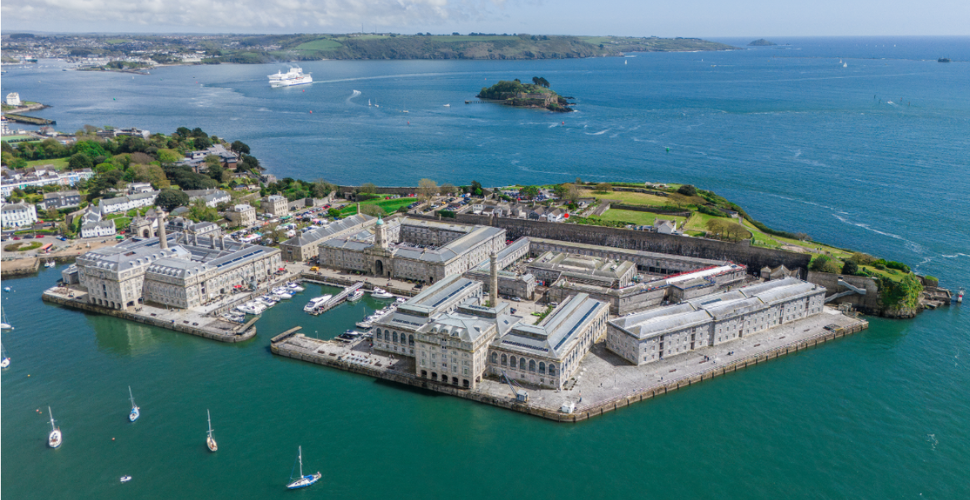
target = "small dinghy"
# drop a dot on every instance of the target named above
(125, 479)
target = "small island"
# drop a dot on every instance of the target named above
(526, 95)
(761, 42)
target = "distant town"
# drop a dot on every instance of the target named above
(141, 52)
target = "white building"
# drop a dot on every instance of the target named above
(211, 197)
(13, 99)
(139, 187)
(126, 203)
(41, 177)
(19, 215)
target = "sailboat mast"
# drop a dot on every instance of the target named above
(208, 418)
(49, 412)
(301, 461)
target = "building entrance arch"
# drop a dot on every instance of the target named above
(379, 268)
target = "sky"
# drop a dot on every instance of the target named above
(687, 18)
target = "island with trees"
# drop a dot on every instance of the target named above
(525, 95)
(761, 42)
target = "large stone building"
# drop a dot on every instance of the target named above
(275, 205)
(456, 339)
(712, 320)
(419, 250)
(305, 246)
(548, 354)
(179, 270)
(241, 215)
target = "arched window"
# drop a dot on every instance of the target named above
(522, 364)
(411, 340)
(395, 336)
(494, 358)
(532, 365)
(542, 368)
(512, 362)
(504, 360)
(379, 334)
(552, 370)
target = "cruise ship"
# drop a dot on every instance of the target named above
(294, 76)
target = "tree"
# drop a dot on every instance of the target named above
(727, 230)
(215, 170)
(333, 213)
(427, 189)
(687, 190)
(476, 189)
(818, 264)
(850, 268)
(321, 188)
(448, 189)
(79, 161)
(529, 192)
(152, 174)
(51, 214)
(170, 199)
(168, 156)
(250, 163)
(239, 147)
(199, 212)
(604, 187)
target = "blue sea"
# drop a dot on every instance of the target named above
(859, 142)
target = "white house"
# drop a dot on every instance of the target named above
(13, 99)
(19, 214)
(126, 203)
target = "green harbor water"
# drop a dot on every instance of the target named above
(881, 414)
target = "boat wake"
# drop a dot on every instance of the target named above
(353, 95)
(601, 132)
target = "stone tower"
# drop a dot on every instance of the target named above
(380, 234)
(162, 237)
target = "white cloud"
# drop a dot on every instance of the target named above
(241, 15)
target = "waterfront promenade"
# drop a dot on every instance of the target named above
(604, 381)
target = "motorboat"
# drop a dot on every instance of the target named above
(266, 299)
(303, 481)
(125, 479)
(210, 441)
(357, 295)
(364, 325)
(294, 286)
(134, 413)
(400, 300)
(49, 263)
(54, 439)
(380, 293)
(316, 302)
(254, 307)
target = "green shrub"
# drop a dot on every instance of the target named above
(850, 268)
(818, 263)
(902, 293)
(897, 265)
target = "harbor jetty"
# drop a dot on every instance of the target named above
(337, 299)
(604, 382)
(180, 320)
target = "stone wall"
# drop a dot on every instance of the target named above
(752, 257)
(868, 303)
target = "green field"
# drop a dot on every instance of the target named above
(632, 198)
(389, 206)
(635, 217)
(58, 163)
(320, 45)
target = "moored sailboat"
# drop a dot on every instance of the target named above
(134, 413)
(54, 439)
(303, 481)
(209, 440)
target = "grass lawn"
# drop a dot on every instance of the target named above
(389, 206)
(698, 221)
(362, 37)
(628, 197)
(19, 138)
(58, 163)
(319, 45)
(635, 217)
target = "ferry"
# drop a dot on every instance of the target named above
(292, 77)
(316, 302)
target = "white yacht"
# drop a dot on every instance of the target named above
(303, 481)
(380, 293)
(292, 77)
(134, 413)
(357, 295)
(54, 439)
(254, 307)
(210, 441)
(316, 302)
(294, 286)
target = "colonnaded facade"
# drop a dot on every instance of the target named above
(712, 320)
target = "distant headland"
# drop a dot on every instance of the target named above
(526, 95)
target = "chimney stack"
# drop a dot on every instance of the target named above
(162, 237)
(493, 283)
